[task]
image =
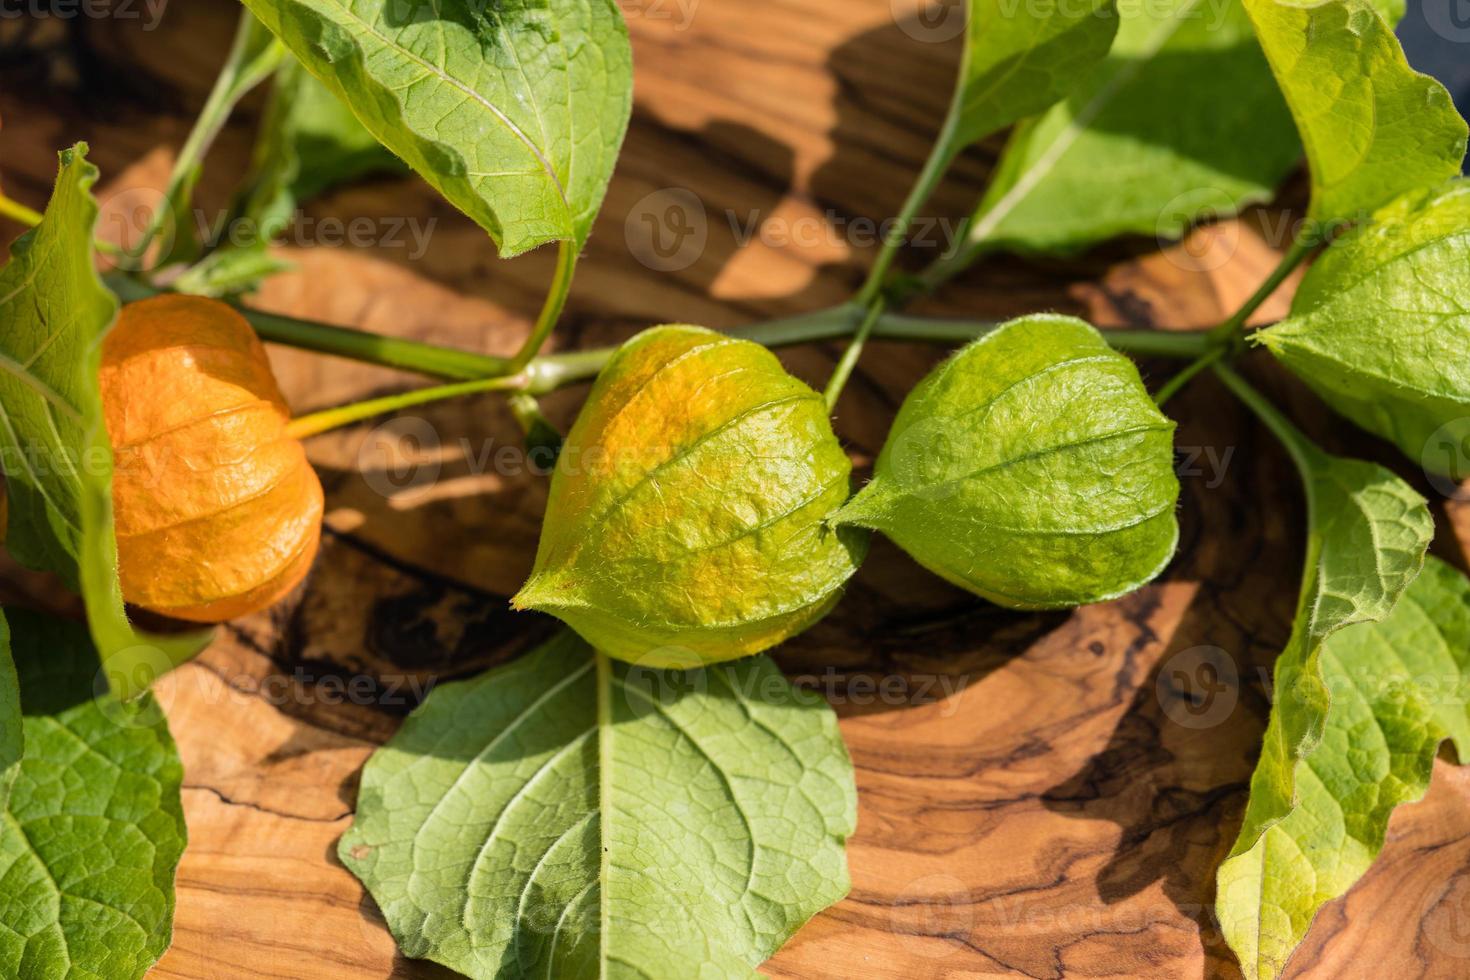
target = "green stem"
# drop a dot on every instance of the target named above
(950, 264)
(556, 301)
(1174, 384)
(393, 352)
(16, 211)
(939, 160)
(1297, 444)
(1295, 256)
(845, 366)
(253, 56)
(335, 418)
(357, 345)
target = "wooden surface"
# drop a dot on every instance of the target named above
(1036, 799)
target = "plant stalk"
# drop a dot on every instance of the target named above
(845, 366)
(358, 345)
(245, 67)
(335, 418)
(556, 301)
(1294, 256)
(16, 211)
(1193, 368)
(1281, 427)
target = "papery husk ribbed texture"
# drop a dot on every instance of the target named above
(218, 511)
(687, 522)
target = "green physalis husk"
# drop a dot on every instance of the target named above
(1031, 468)
(687, 522)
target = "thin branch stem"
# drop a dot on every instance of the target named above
(556, 301)
(253, 56)
(16, 211)
(1296, 443)
(358, 345)
(1294, 256)
(335, 418)
(935, 167)
(1193, 368)
(849, 360)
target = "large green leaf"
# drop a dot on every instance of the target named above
(1381, 325)
(57, 456)
(1032, 468)
(1373, 127)
(513, 111)
(1398, 690)
(570, 816)
(1367, 533)
(12, 734)
(94, 829)
(1182, 119)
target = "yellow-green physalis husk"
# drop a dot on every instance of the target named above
(1032, 468)
(688, 516)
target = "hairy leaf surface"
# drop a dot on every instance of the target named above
(58, 458)
(92, 836)
(687, 521)
(1381, 326)
(1367, 533)
(1399, 689)
(570, 816)
(514, 111)
(1182, 119)
(1373, 127)
(1031, 468)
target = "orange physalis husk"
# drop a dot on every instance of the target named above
(218, 511)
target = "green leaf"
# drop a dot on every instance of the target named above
(1398, 690)
(1032, 468)
(58, 458)
(1182, 119)
(1381, 324)
(1367, 533)
(1020, 59)
(12, 735)
(230, 271)
(310, 142)
(687, 521)
(569, 816)
(1373, 127)
(514, 112)
(91, 839)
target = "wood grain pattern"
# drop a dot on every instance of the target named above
(1036, 797)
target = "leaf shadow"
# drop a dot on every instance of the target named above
(1174, 773)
